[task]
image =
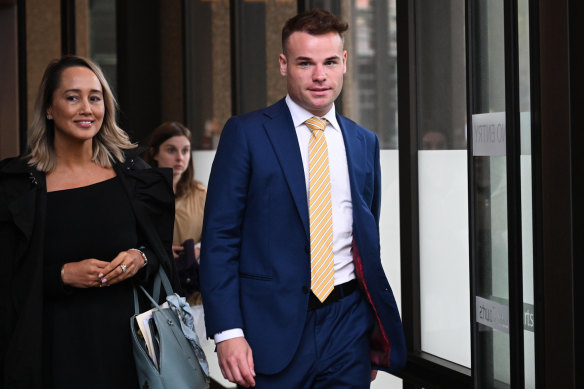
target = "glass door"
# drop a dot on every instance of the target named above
(489, 239)
(501, 193)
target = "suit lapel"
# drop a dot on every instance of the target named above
(354, 147)
(280, 130)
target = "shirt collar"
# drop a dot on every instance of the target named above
(300, 115)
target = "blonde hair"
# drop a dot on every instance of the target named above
(108, 143)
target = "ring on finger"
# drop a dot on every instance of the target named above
(124, 267)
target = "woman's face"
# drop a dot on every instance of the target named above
(77, 108)
(175, 153)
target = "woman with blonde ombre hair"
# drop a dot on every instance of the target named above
(109, 142)
(82, 220)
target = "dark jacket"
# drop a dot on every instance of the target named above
(22, 226)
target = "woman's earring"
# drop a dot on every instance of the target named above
(49, 117)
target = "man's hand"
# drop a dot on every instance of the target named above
(236, 361)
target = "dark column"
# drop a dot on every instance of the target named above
(248, 40)
(138, 77)
(555, 327)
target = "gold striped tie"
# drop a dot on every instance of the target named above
(320, 212)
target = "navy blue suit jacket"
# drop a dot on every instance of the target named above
(255, 258)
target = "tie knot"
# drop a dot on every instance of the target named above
(315, 123)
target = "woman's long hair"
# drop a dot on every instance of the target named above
(108, 143)
(161, 134)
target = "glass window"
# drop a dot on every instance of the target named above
(440, 91)
(491, 250)
(207, 70)
(102, 38)
(370, 88)
(369, 97)
(220, 81)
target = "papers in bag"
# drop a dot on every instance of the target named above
(150, 334)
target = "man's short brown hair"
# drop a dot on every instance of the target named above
(313, 22)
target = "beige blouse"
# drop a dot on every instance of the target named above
(188, 221)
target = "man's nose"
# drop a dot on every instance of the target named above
(318, 74)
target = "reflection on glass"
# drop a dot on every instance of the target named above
(102, 38)
(440, 74)
(442, 179)
(209, 72)
(370, 88)
(370, 98)
(490, 204)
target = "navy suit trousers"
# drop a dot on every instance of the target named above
(333, 351)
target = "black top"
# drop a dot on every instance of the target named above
(23, 280)
(87, 335)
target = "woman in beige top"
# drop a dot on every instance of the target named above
(170, 147)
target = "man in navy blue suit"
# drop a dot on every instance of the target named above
(271, 329)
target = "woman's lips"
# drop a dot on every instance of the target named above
(84, 123)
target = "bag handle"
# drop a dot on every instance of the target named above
(160, 279)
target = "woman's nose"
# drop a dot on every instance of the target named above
(85, 106)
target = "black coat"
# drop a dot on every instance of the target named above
(22, 229)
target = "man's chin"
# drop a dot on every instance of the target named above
(320, 108)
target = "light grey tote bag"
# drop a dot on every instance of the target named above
(166, 348)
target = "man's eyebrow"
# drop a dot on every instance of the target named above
(332, 58)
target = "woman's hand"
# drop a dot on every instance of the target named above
(83, 274)
(122, 267)
(176, 250)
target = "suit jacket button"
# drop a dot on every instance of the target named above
(304, 289)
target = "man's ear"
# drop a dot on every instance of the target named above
(283, 64)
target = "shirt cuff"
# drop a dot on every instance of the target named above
(229, 334)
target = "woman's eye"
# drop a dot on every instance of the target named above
(71, 98)
(95, 99)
